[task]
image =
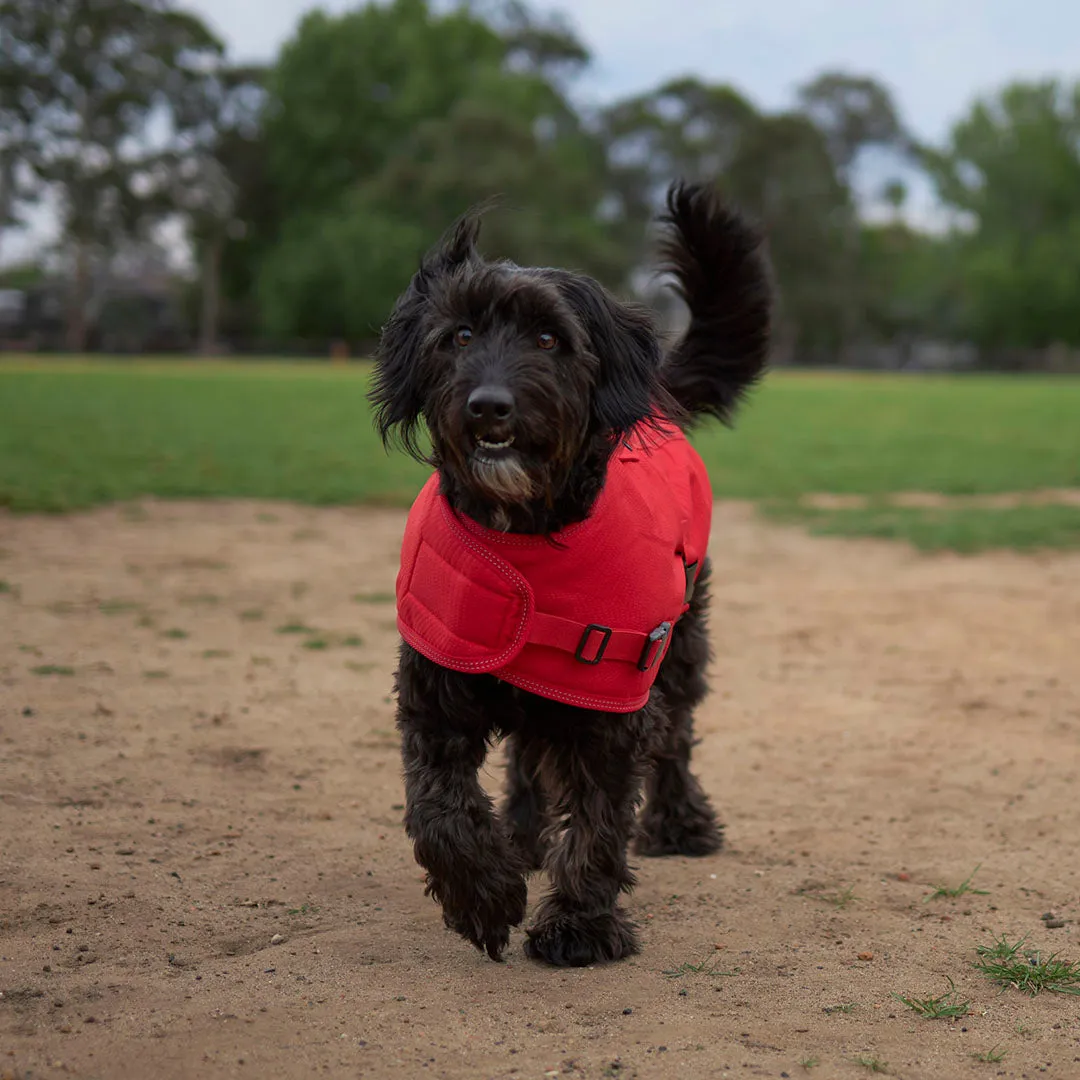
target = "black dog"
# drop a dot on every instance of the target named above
(527, 380)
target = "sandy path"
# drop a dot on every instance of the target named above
(881, 722)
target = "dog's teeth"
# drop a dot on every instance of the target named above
(488, 445)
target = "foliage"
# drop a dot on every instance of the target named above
(83, 82)
(1012, 168)
(385, 124)
(309, 189)
(1027, 969)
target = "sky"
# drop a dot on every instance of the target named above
(936, 56)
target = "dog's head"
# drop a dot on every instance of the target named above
(514, 371)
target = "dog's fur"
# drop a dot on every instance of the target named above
(575, 775)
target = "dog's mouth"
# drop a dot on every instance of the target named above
(489, 446)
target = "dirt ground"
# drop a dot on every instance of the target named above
(203, 871)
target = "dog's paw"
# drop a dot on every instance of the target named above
(694, 834)
(483, 910)
(572, 939)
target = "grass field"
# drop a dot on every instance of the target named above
(75, 434)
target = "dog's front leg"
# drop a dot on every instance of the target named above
(596, 780)
(472, 871)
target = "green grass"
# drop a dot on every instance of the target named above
(76, 434)
(1026, 970)
(994, 1056)
(874, 1064)
(708, 966)
(842, 899)
(118, 607)
(964, 529)
(839, 900)
(964, 887)
(947, 1006)
(81, 433)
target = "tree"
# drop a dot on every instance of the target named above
(348, 90)
(853, 113)
(544, 45)
(895, 193)
(1011, 172)
(91, 75)
(16, 115)
(386, 123)
(683, 128)
(783, 174)
(218, 120)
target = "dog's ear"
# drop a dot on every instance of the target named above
(457, 246)
(623, 338)
(397, 392)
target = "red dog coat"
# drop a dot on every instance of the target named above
(583, 617)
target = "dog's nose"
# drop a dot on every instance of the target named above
(490, 403)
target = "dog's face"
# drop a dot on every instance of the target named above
(514, 371)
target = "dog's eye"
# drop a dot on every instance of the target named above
(462, 336)
(546, 340)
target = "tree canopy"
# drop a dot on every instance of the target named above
(308, 188)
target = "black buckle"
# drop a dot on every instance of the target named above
(606, 631)
(654, 646)
(690, 569)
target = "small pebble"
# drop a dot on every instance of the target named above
(1054, 924)
(627, 1012)
(277, 939)
(866, 956)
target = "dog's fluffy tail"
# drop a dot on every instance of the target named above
(722, 273)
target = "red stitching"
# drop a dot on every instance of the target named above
(517, 579)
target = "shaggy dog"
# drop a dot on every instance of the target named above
(529, 382)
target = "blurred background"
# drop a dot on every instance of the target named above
(207, 209)
(255, 177)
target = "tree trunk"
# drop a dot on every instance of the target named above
(211, 297)
(76, 324)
